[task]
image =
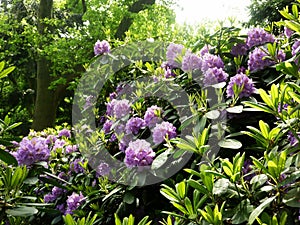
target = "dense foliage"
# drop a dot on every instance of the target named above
(162, 132)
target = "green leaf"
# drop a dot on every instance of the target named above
(214, 114)
(235, 109)
(22, 211)
(160, 160)
(117, 220)
(259, 107)
(181, 189)
(266, 98)
(221, 186)
(8, 158)
(292, 198)
(195, 184)
(230, 143)
(256, 212)
(7, 71)
(264, 127)
(258, 180)
(128, 198)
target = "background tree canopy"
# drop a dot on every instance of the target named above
(265, 12)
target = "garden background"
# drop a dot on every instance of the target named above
(112, 113)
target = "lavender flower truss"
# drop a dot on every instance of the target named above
(174, 54)
(152, 115)
(258, 36)
(214, 76)
(239, 49)
(32, 150)
(118, 108)
(139, 153)
(257, 61)
(191, 62)
(64, 133)
(73, 202)
(162, 131)
(101, 47)
(134, 125)
(243, 83)
(211, 61)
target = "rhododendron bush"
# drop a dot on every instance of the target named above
(202, 135)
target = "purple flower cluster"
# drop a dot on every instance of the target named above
(134, 125)
(190, 62)
(118, 108)
(152, 116)
(214, 76)
(139, 153)
(292, 139)
(174, 54)
(64, 133)
(258, 36)
(73, 202)
(71, 148)
(55, 193)
(257, 60)
(32, 150)
(239, 49)
(101, 47)
(211, 61)
(243, 84)
(162, 131)
(204, 50)
(107, 126)
(288, 32)
(296, 49)
(76, 167)
(103, 169)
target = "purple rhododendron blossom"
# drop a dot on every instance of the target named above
(49, 198)
(239, 49)
(64, 133)
(174, 53)
(169, 73)
(288, 32)
(103, 169)
(32, 150)
(204, 50)
(134, 124)
(292, 139)
(101, 47)
(258, 36)
(89, 101)
(50, 140)
(214, 76)
(123, 144)
(152, 115)
(139, 153)
(211, 61)
(58, 144)
(257, 61)
(71, 148)
(121, 108)
(296, 47)
(242, 81)
(73, 202)
(190, 62)
(107, 126)
(76, 167)
(162, 131)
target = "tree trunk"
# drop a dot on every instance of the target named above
(45, 106)
(127, 20)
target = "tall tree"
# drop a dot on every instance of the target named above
(45, 104)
